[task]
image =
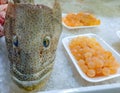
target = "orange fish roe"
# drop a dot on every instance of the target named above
(92, 58)
(80, 19)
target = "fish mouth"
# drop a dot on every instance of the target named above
(31, 83)
(31, 77)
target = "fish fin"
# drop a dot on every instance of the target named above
(57, 17)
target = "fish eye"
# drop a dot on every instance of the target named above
(15, 41)
(46, 42)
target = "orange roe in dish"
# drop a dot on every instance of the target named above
(80, 19)
(92, 58)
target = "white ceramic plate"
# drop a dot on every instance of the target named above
(66, 41)
(76, 27)
(118, 33)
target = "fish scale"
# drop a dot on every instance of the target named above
(32, 33)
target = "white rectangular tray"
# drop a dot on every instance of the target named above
(76, 27)
(66, 42)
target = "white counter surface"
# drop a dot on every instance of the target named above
(62, 77)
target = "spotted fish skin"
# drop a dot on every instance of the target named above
(32, 33)
(23, 1)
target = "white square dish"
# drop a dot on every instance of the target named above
(66, 41)
(76, 27)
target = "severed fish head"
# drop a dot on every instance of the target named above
(32, 33)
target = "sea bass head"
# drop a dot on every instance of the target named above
(32, 33)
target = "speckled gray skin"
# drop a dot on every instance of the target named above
(23, 1)
(32, 33)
